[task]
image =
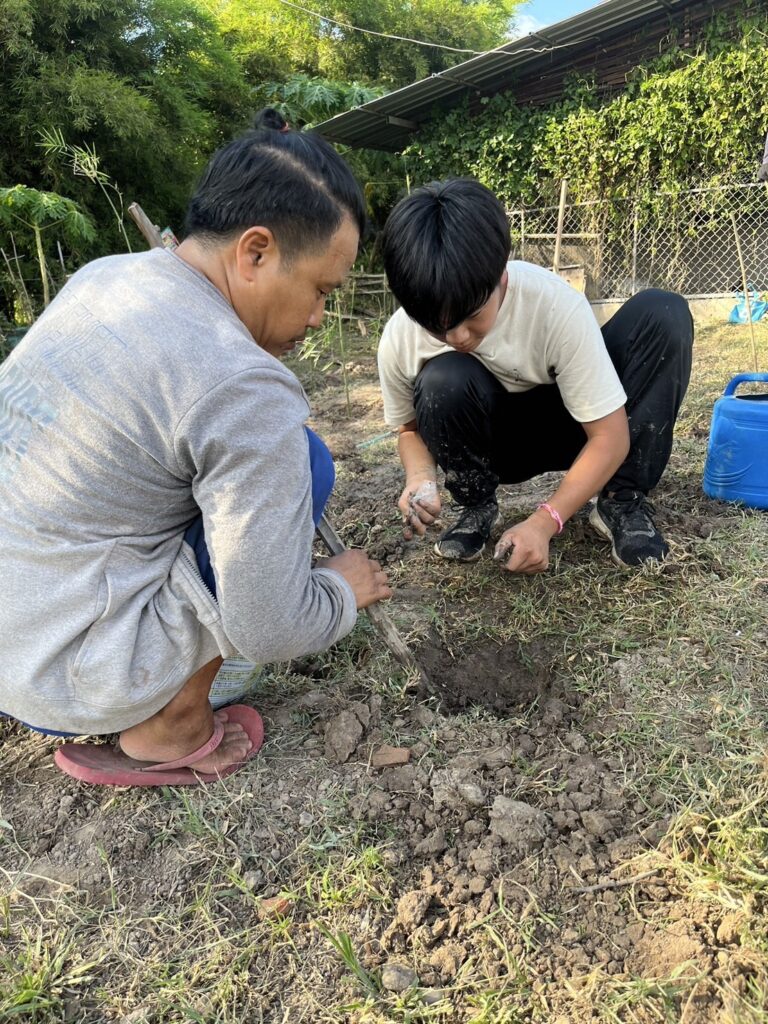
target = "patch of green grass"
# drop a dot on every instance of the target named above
(41, 971)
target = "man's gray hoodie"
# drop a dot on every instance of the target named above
(137, 400)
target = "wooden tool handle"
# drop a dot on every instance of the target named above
(375, 612)
(145, 226)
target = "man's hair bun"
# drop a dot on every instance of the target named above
(270, 119)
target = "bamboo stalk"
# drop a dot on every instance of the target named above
(745, 285)
(22, 286)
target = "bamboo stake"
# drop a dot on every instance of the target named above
(11, 274)
(745, 285)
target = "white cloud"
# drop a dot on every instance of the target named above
(525, 24)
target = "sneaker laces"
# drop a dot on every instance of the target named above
(474, 517)
(637, 509)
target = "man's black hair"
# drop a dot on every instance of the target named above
(270, 118)
(294, 183)
(445, 247)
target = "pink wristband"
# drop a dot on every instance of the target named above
(553, 513)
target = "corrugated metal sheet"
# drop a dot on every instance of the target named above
(390, 121)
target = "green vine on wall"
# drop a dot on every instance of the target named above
(691, 118)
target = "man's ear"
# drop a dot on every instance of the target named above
(255, 248)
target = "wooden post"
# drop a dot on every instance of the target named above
(145, 226)
(745, 285)
(560, 224)
(522, 233)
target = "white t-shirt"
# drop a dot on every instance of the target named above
(545, 333)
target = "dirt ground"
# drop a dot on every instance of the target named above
(577, 833)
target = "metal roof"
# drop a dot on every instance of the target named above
(390, 121)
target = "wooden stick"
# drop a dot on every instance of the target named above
(616, 883)
(380, 620)
(145, 226)
(745, 285)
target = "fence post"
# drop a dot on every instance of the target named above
(522, 232)
(635, 231)
(560, 224)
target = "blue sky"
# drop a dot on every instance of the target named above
(539, 13)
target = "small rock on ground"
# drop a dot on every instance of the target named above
(342, 735)
(398, 977)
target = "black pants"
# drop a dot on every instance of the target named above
(482, 435)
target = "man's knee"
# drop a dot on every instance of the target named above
(323, 473)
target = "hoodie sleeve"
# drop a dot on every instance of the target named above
(246, 450)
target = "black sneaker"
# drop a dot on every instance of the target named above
(625, 520)
(465, 540)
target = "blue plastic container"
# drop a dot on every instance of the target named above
(737, 457)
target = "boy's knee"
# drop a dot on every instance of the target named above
(670, 315)
(449, 379)
(669, 309)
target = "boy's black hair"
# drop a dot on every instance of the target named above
(445, 247)
(294, 183)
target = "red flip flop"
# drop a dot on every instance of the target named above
(105, 765)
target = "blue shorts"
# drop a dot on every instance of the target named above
(323, 477)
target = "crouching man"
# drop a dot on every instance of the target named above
(496, 371)
(158, 488)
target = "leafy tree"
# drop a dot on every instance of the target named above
(304, 100)
(271, 36)
(148, 85)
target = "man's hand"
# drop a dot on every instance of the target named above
(363, 574)
(526, 546)
(420, 506)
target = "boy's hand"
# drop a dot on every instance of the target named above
(420, 506)
(526, 546)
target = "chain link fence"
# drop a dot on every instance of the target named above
(685, 242)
